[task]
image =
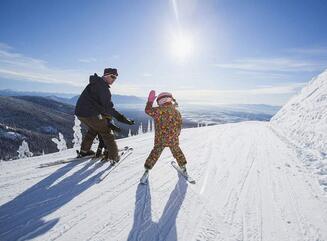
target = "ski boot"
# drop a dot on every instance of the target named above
(115, 160)
(98, 153)
(183, 169)
(144, 178)
(82, 153)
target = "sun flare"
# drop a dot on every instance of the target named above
(182, 47)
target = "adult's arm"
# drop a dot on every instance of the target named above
(105, 101)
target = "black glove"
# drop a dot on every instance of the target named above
(113, 127)
(125, 120)
(129, 121)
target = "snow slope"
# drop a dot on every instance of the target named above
(303, 121)
(250, 186)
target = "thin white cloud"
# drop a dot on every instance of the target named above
(259, 75)
(17, 66)
(115, 56)
(87, 60)
(20, 67)
(263, 94)
(309, 51)
(147, 75)
(276, 90)
(128, 89)
(273, 65)
(261, 90)
(4, 46)
(276, 95)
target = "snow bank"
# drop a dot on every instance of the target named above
(303, 121)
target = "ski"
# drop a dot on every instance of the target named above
(64, 161)
(125, 153)
(144, 178)
(75, 159)
(186, 176)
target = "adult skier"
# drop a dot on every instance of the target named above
(95, 109)
(168, 125)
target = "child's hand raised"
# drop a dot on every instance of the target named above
(152, 96)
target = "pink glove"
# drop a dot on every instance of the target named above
(152, 96)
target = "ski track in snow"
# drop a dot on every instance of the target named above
(251, 186)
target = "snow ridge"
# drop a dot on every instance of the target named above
(303, 121)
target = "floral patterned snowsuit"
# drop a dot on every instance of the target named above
(168, 125)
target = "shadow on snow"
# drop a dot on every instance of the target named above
(22, 217)
(165, 229)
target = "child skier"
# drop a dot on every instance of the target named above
(168, 125)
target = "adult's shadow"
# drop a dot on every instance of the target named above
(22, 217)
(144, 229)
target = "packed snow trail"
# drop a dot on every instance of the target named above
(250, 186)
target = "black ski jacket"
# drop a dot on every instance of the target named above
(96, 99)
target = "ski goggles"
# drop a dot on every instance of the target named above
(164, 100)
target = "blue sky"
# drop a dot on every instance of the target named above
(202, 51)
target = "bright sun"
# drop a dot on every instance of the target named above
(182, 47)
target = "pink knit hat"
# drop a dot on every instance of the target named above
(164, 97)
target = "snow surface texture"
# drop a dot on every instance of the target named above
(303, 122)
(250, 186)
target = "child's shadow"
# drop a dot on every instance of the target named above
(144, 229)
(24, 217)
